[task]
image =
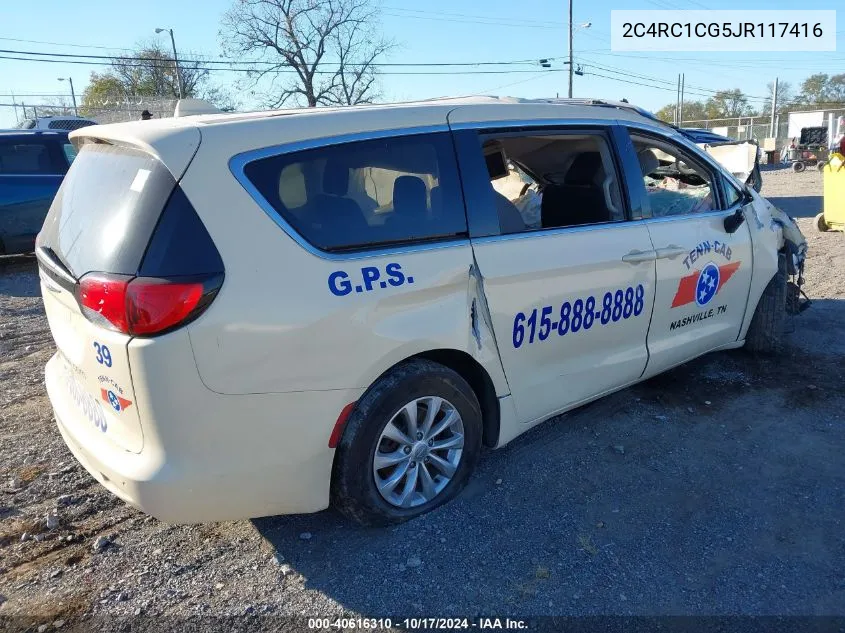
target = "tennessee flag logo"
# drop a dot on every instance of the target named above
(700, 286)
(117, 403)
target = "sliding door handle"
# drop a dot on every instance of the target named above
(638, 257)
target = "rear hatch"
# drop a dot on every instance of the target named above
(116, 262)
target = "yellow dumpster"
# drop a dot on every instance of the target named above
(833, 216)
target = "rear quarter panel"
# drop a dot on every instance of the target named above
(288, 320)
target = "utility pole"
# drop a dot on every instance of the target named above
(677, 118)
(175, 60)
(681, 108)
(72, 93)
(570, 49)
(772, 129)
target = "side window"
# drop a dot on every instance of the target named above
(366, 194)
(25, 158)
(675, 182)
(69, 152)
(545, 181)
(732, 194)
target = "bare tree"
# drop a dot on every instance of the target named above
(316, 51)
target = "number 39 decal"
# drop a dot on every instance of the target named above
(103, 354)
(579, 315)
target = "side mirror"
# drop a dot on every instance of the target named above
(734, 221)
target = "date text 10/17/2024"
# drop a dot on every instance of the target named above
(417, 624)
(578, 315)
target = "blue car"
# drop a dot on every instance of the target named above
(32, 166)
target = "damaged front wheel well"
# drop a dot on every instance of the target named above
(481, 383)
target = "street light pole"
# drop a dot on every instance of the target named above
(175, 61)
(72, 93)
(570, 49)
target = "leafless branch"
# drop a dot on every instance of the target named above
(323, 51)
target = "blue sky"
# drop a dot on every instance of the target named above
(434, 31)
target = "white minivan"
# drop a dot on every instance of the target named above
(269, 313)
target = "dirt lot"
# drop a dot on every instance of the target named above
(717, 488)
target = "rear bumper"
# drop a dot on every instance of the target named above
(235, 457)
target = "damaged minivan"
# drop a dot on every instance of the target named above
(269, 313)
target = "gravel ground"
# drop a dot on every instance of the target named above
(716, 488)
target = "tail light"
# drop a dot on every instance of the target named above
(145, 306)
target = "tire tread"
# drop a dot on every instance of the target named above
(765, 334)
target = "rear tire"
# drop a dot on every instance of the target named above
(765, 334)
(820, 165)
(354, 488)
(798, 167)
(821, 225)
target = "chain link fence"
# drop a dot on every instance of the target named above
(130, 109)
(755, 128)
(116, 110)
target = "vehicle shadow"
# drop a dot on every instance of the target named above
(690, 493)
(19, 276)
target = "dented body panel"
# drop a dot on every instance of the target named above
(773, 233)
(558, 280)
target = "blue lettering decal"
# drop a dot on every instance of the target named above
(339, 283)
(397, 277)
(370, 274)
(580, 315)
(372, 278)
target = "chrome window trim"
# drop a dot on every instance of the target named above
(238, 163)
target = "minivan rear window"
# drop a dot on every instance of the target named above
(366, 194)
(106, 209)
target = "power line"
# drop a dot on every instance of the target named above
(638, 83)
(111, 59)
(253, 70)
(521, 81)
(449, 14)
(623, 72)
(485, 20)
(107, 48)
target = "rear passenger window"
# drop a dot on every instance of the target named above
(552, 181)
(26, 159)
(366, 194)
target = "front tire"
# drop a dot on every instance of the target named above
(765, 334)
(409, 446)
(821, 225)
(798, 166)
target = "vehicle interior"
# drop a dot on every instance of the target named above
(543, 182)
(371, 194)
(675, 185)
(25, 158)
